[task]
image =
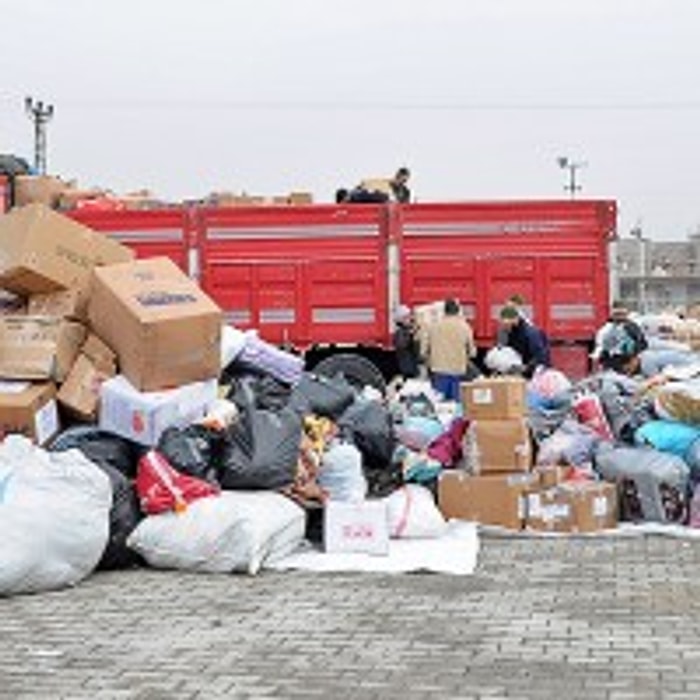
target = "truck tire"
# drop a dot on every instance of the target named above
(358, 370)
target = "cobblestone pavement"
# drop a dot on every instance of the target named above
(615, 619)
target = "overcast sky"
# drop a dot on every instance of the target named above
(477, 97)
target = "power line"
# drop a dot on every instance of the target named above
(370, 105)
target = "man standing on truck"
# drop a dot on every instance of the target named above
(530, 342)
(449, 349)
(399, 186)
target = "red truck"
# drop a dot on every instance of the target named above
(325, 278)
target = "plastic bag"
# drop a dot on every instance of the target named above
(117, 458)
(503, 360)
(101, 447)
(161, 488)
(668, 436)
(341, 474)
(322, 396)
(572, 443)
(54, 517)
(238, 531)
(261, 449)
(195, 451)
(653, 485)
(412, 513)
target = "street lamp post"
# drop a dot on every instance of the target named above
(40, 114)
(572, 166)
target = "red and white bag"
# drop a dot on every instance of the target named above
(161, 488)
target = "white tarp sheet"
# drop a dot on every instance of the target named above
(453, 553)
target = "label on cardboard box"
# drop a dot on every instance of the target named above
(482, 396)
(600, 506)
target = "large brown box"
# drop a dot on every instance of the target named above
(38, 347)
(28, 409)
(43, 251)
(496, 499)
(573, 506)
(494, 446)
(165, 330)
(494, 398)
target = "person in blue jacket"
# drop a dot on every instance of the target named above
(525, 338)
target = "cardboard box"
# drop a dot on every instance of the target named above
(377, 184)
(42, 189)
(356, 527)
(44, 251)
(28, 409)
(300, 198)
(551, 475)
(66, 303)
(142, 417)
(496, 499)
(165, 330)
(38, 347)
(574, 506)
(98, 351)
(492, 446)
(80, 393)
(494, 398)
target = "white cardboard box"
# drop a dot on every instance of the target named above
(360, 527)
(143, 416)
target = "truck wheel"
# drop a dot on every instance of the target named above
(358, 370)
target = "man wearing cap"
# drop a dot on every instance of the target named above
(525, 338)
(406, 343)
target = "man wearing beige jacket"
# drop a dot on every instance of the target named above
(449, 349)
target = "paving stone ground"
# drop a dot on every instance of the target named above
(553, 619)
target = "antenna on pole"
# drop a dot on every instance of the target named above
(40, 114)
(572, 166)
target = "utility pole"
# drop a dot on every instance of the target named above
(40, 114)
(572, 166)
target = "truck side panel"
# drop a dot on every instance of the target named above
(149, 233)
(301, 275)
(551, 253)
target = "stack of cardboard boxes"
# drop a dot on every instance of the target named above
(82, 310)
(46, 260)
(498, 485)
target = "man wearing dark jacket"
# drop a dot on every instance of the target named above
(525, 338)
(406, 343)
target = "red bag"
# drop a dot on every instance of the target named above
(161, 488)
(589, 411)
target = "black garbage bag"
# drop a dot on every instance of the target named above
(270, 393)
(261, 449)
(195, 450)
(368, 424)
(124, 516)
(322, 396)
(101, 447)
(117, 458)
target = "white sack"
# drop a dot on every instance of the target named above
(412, 513)
(235, 531)
(54, 517)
